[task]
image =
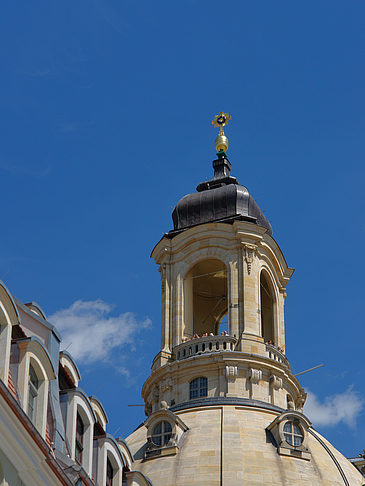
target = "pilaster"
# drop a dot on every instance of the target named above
(251, 304)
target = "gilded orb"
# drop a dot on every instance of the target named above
(221, 142)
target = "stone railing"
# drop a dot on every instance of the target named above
(204, 345)
(277, 355)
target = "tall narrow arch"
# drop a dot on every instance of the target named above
(267, 306)
(205, 297)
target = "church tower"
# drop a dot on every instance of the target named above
(222, 405)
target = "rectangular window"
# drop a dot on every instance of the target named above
(198, 388)
(79, 446)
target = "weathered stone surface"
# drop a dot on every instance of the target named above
(229, 446)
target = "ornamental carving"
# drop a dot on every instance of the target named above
(155, 394)
(249, 256)
(231, 372)
(166, 385)
(162, 271)
(254, 376)
(275, 382)
(301, 401)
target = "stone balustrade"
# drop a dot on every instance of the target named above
(276, 355)
(213, 344)
(204, 345)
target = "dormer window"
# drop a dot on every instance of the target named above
(199, 388)
(33, 387)
(290, 434)
(164, 432)
(79, 421)
(79, 444)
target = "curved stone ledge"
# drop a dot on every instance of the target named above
(214, 401)
(204, 345)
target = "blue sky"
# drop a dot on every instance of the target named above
(105, 117)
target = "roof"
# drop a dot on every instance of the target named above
(222, 199)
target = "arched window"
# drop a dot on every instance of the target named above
(33, 387)
(267, 309)
(79, 442)
(205, 297)
(199, 388)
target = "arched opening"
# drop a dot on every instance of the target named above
(206, 300)
(267, 309)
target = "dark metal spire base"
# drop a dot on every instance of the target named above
(222, 177)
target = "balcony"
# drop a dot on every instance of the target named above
(204, 345)
(276, 355)
(214, 344)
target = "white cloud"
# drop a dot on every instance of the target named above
(343, 407)
(93, 332)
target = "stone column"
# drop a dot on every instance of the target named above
(280, 338)
(251, 303)
(178, 305)
(165, 307)
(241, 293)
(233, 298)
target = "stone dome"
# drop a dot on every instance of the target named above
(232, 445)
(221, 199)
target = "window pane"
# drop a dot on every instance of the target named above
(203, 392)
(296, 429)
(31, 406)
(157, 440)
(297, 440)
(32, 393)
(166, 438)
(193, 394)
(287, 427)
(79, 446)
(167, 427)
(288, 438)
(158, 429)
(33, 377)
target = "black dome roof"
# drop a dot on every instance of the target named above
(221, 199)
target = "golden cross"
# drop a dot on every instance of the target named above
(221, 120)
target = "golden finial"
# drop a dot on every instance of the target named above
(221, 120)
